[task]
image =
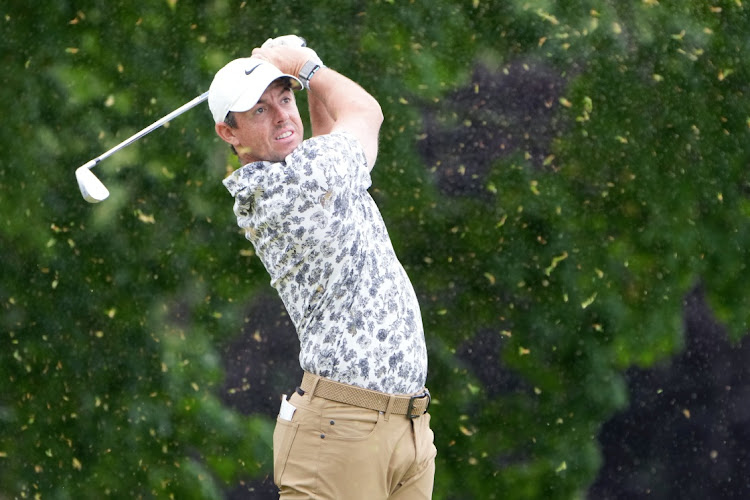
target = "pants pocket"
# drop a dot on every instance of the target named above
(343, 422)
(283, 437)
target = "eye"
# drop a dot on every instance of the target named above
(260, 110)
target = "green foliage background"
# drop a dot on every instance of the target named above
(112, 314)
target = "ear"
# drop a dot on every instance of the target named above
(226, 133)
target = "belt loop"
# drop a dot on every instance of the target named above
(316, 379)
(388, 408)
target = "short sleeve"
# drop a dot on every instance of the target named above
(339, 157)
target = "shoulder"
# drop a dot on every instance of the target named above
(337, 146)
(333, 140)
(247, 176)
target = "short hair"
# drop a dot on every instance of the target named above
(231, 120)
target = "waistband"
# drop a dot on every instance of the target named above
(412, 406)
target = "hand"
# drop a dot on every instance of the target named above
(288, 59)
(290, 41)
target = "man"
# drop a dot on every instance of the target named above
(357, 427)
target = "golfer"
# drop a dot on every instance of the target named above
(357, 427)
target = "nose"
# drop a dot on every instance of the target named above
(282, 114)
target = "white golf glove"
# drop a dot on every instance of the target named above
(290, 41)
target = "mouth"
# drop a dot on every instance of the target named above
(285, 135)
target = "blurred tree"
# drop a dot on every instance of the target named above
(556, 176)
(685, 434)
(590, 236)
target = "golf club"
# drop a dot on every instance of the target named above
(91, 187)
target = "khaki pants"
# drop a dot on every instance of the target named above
(336, 451)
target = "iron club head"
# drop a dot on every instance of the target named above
(91, 187)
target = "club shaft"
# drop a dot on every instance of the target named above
(177, 112)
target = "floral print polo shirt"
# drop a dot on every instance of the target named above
(323, 241)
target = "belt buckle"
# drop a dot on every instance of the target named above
(410, 408)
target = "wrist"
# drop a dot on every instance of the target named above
(308, 70)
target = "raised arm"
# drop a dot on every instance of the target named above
(320, 121)
(351, 108)
(348, 106)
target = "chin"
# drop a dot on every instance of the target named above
(291, 149)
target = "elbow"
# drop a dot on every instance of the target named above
(377, 113)
(374, 112)
(379, 117)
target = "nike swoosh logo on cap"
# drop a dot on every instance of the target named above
(248, 71)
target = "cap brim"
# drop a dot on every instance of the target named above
(251, 96)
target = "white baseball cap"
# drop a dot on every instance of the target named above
(238, 85)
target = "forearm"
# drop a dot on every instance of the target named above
(320, 120)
